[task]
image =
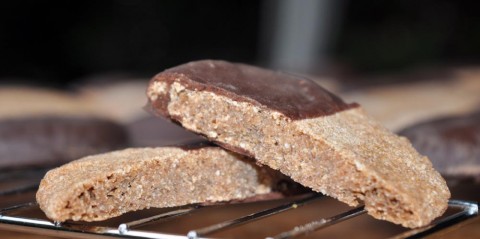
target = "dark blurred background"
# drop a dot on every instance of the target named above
(59, 42)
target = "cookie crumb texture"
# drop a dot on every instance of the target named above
(346, 155)
(107, 185)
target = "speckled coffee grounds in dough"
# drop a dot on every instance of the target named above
(107, 185)
(452, 143)
(330, 146)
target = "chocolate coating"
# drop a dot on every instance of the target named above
(51, 141)
(452, 144)
(295, 97)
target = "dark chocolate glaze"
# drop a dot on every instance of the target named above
(295, 97)
(52, 141)
(449, 142)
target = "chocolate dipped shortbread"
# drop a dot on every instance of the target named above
(107, 185)
(294, 125)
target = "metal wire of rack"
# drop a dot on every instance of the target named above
(11, 218)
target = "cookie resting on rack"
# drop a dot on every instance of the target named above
(293, 125)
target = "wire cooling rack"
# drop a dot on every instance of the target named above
(26, 217)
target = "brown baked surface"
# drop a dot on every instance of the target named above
(107, 185)
(329, 146)
(452, 143)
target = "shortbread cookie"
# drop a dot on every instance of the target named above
(307, 133)
(107, 185)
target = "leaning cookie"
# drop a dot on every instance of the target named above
(452, 143)
(108, 185)
(293, 125)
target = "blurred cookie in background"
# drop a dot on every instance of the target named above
(399, 105)
(45, 128)
(116, 97)
(25, 101)
(452, 144)
(53, 140)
